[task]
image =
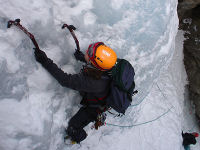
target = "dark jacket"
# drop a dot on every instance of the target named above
(188, 139)
(93, 91)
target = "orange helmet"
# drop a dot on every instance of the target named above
(101, 56)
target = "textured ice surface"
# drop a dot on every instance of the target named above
(34, 108)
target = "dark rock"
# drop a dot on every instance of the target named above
(189, 21)
(185, 5)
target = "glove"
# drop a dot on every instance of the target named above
(40, 56)
(79, 56)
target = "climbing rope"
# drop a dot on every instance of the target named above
(164, 95)
(142, 99)
(138, 124)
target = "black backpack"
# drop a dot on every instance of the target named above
(122, 86)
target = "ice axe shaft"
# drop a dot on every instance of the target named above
(71, 28)
(16, 22)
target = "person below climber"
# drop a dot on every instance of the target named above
(91, 82)
(189, 138)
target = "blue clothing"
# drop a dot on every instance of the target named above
(187, 147)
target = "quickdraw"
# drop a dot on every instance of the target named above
(100, 120)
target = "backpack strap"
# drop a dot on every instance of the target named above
(129, 91)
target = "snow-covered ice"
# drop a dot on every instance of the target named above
(34, 108)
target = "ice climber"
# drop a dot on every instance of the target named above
(189, 138)
(92, 83)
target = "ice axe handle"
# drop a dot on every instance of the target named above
(71, 28)
(16, 22)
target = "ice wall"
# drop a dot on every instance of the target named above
(33, 106)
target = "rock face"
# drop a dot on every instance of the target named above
(185, 5)
(189, 21)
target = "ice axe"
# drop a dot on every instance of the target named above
(71, 28)
(16, 22)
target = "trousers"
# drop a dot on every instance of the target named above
(82, 118)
